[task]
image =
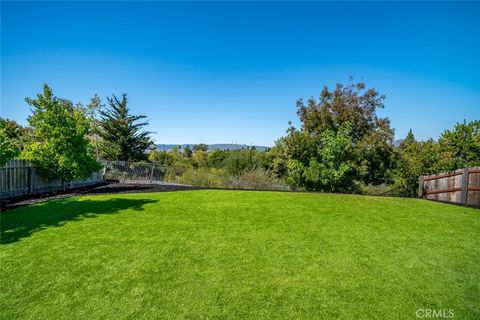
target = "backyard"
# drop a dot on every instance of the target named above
(238, 255)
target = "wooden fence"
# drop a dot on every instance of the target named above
(460, 186)
(20, 177)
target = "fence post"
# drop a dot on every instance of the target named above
(420, 187)
(465, 186)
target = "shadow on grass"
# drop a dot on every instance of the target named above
(23, 222)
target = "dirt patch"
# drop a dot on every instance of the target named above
(103, 188)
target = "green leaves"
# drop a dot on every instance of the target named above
(460, 147)
(455, 149)
(341, 143)
(330, 167)
(8, 147)
(59, 142)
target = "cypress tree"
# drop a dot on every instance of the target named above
(121, 132)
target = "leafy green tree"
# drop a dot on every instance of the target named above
(93, 109)
(216, 158)
(415, 158)
(238, 162)
(59, 142)
(278, 159)
(121, 132)
(351, 103)
(460, 147)
(347, 110)
(200, 158)
(161, 158)
(330, 167)
(15, 131)
(9, 147)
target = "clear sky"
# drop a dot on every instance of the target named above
(231, 72)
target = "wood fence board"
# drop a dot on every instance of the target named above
(18, 177)
(460, 186)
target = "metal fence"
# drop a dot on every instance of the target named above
(133, 172)
(461, 186)
(20, 177)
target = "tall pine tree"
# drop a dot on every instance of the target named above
(121, 132)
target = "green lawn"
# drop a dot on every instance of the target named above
(238, 255)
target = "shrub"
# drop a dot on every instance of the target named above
(203, 177)
(258, 180)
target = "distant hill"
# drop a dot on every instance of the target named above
(221, 146)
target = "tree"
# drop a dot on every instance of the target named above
(346, 110)
(237, 162)
(187, 152)
(330, 167)
(415, 158)
(9, 147)
(199, 158)
(351, 103)
(161, 158)
(92, 111)
(59, 143)
(216, 158)
(460, 147)
(121, 132)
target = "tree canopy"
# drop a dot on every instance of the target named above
(9, 147)
(341, 141)
(59, 141)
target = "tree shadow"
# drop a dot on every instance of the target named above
(23, 222)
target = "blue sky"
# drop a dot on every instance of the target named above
(231, 72)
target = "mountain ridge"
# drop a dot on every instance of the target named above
(221, 146)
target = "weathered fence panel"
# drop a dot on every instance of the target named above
(461, 186)
(20, 177)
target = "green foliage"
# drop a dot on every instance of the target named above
(329, 165)
(203, 177)
(238, 162)
(92, 110)
(199, 158)
(187, 152)
(460, 147)
(59, 143)
(456, 149)
(10, 137)
(258, 179)
(341, 143)
(121, 132)
(161, 158)
(216, 158)
(244, 168)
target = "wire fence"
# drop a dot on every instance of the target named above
(133, 172)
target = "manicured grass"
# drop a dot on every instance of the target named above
(239, 255)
